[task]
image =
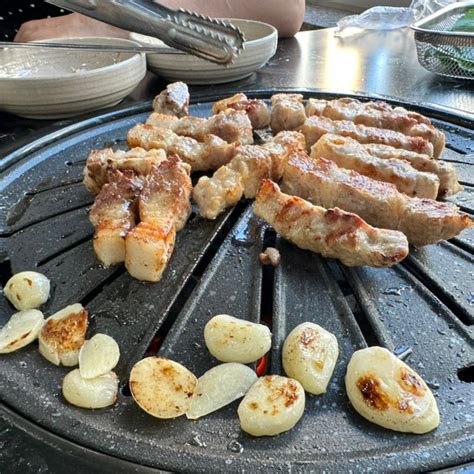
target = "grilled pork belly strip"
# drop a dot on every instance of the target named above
(381, 115)
(230, 182)
(446, 172)
(323, 183)
(287, 112)
(113, 215)
(315, 127)
(212, 153)
(256, 109)
(174, 100)
(230, 125)
(330, 232)
(164, 207)
(350, 154)
(101, 163)
(242, 175)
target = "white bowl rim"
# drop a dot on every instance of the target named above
(274, 32)
(87, 73)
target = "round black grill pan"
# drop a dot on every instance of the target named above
(423, 307)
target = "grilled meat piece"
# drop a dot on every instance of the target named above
(280, 147)
(256, 109)
(271, 255)
(101, 163)
(331, 232)
(230, 125)
(323, 183)
(350, 154)
(287, 112)
(242, 175)
(315, 127)
(164, 207)
(381, 115)
(446, 172)
(212, 153)
(113, 214)
(174, 100)
(230, 182)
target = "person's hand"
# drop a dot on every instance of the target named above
(67, 26)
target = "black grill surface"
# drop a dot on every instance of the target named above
(423, 307)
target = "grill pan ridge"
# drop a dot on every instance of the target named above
(424, 306)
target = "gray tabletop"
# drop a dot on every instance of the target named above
(373, 62)
(381, 63)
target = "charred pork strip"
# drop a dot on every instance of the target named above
(242, 175)
(330, 232)
(212, 153)
(381, 115)
(164, 207)
(323, 183)
(101, 163)
(174, 100)
(287, 112)
(315, 127)
(446, 172)
(256, 109)
(230, 125)
(113, 214)
(350, 154)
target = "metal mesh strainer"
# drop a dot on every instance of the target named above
(441, 50)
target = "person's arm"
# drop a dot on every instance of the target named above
(67, 26)
(286, 15)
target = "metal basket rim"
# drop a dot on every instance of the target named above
(418, 25)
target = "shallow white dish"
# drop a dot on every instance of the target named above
(260, 46)
(57, 83)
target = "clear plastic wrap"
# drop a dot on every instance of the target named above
(388, 18)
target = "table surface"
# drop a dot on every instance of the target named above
(382, 63)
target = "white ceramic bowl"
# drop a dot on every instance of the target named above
(260, 46)
(57, 83)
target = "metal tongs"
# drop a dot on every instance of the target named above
(216, 40)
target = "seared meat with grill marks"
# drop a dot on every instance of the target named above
(212, 153)
(315, 127)
(350, 154)
(331, 232)
(174, 100)
(287, 112)
(381, 115)
(113, 214)
(164, 207)
(446, 172)
(230, 125)
(242, 175)
(256, 109)
(323, 183)
(101, 163)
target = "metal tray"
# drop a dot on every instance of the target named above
(425, 304)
